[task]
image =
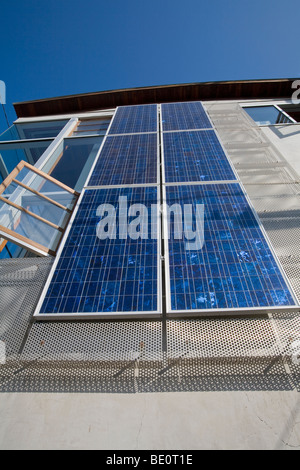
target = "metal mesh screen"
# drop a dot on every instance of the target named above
(95, 341)
(268, 336)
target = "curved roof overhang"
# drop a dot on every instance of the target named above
(205, 91)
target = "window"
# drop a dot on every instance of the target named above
(267, 115)
(91, 127)
(72, 160)
(64, 149)
(33, 130)
(34, 209)
(12, 153)
(293, 110)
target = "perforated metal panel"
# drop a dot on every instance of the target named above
(95, 341)
(236, 338)
(21, 281)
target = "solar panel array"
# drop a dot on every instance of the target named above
(195, 156)
(115, 275)
(235, 268)
(127, 159)
(135, 119)
(96, 275)
(183, 116)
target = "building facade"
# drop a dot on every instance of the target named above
(152, 227)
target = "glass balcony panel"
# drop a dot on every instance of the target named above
(71, 162)
(11, 154)
(35, 204)
(46, 187)
(28, 226)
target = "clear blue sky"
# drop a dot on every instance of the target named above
(60, 47)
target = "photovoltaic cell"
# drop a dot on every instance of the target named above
(195, 156)
(126, 159)
(135, 119)
(105, 276)
(235, 268)
(184, 116)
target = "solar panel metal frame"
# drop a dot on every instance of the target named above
(127, 184)
(133, 133)
(196, 181)
(224, 311)
(237, 180)
(216, 312)
(112, 315)
(112, 135)
(102, 315)
(186, 130)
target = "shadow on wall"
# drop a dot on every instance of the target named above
(184, 375)
(278, 131)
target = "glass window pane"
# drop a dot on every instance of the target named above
(10, 250)
(266, 115)
(11, 154)
(33, 130)
(28, 226)
(10, 134)
(72, 161)
(88, 132)
(97, 122)
(92, 127)
(49, 189)
(36, 204)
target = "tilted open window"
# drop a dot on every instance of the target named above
(34, 209)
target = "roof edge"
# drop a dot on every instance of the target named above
(230, 89)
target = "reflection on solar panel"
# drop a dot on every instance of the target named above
(195, 156)
(235, 268)
(127, 159)
(176, 116)
(105, 276)
(134, 119)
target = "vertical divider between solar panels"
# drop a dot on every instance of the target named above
(164, 222)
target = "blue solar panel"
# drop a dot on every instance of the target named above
(105, 276)
(184, 116)
(195, 156)
(235, 268)
(127, 159)
(134, 119)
